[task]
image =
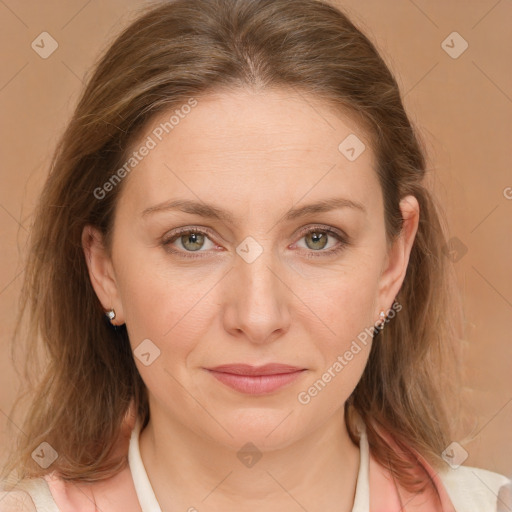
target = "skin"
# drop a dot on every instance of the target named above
(256, 154)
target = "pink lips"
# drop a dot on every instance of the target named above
(256, 379)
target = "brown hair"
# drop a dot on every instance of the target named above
(172, 52)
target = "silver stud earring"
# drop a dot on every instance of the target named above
(111, 314)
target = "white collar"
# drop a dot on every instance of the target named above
(147, 498)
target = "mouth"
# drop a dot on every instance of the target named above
(255, 380)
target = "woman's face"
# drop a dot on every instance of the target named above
(253, 287)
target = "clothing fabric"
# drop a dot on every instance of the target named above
(465, 489)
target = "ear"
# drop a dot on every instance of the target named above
(397, 259)
(101, 272)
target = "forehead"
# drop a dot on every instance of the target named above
(242, 147)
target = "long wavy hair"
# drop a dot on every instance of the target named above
(80, 371)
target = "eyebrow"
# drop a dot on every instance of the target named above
(211, 211)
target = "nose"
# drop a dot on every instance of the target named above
(258, 301)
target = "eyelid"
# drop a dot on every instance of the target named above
(323, 227)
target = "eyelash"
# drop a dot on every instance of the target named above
(342, 239)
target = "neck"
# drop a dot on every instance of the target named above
(187, 470)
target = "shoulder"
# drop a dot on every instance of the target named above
(29, 495)
(475, 489)
(16, 501)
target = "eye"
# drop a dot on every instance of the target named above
(192, 240)
(317, 238)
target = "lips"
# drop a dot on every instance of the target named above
(256, 380)
(246, 369)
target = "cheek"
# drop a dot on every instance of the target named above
(167, 311)
(161, 304)
(345, 307)
(343, 301)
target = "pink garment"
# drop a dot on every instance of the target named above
(118, 493)
(114, 494)
(385, 497)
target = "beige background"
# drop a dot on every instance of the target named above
(463, 107)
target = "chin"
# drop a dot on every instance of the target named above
(267, 429)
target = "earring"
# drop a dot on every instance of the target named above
(111, 314)
(382, 320)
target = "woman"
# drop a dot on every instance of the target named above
(237, 272)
